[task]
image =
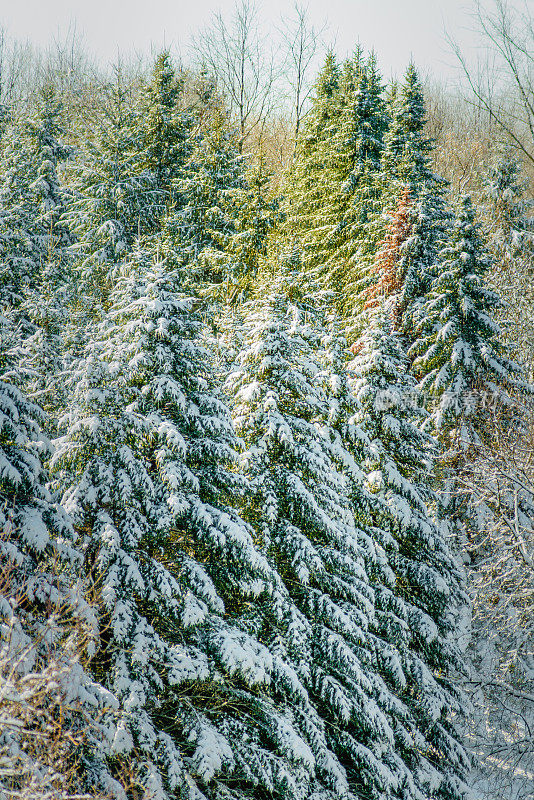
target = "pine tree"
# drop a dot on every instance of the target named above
(407, 258)
(418, 586)
(406, 149)
(113, 196)
(42, 613)
(405, 166)
(29, 518)
(360, 137)
(311, 200)
(334, 205)
(147, 465)
(33, 236)
(459, 356)
(18, 264)
(205, 215)
(418, 263)
(298, 504)
(34, 284)
(242, 251)
(167, 131)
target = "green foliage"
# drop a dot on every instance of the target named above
(272, 601)
(458, 353)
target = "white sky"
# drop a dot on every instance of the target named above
(396, 29)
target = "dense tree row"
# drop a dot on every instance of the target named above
(253, 527)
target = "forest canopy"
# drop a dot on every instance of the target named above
(266, 425)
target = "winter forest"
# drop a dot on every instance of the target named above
(266, 423)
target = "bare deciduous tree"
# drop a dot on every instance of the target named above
(16, 67)
(503, 83)
(302, 41)
(500, 485)
(235, 54)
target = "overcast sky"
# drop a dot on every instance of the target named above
(396, 29)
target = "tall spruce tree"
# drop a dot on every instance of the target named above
(311, 190)
(42, 611)
(361, 223)
(405, 166)
(298, 504)
(459, 356)
(46, 299)
(406, 148)
(179, 583)
(114, 197)
(419, 258)
(420, 601)
(511, 227)
(333, 202)
(33, 237)
(204, 216)
(167, 127)
(241, 251)
(387, 284)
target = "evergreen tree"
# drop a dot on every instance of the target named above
(46, 130)
(33, 236)
(299, 507)
(256, 214)
(113, 196)
(418, 262)
(311, 204)
(205, 215)
(167, 130)
(34, 287)
(147, 465)
(407, 258)
(359, 145)
(18, 260)
(459, 356)
(33, 523)
(332, 194)
(41, 608)
(406, 149)
(418, 586)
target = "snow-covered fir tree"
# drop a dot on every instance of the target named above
(406, 151)
(42, 612)
(420, 600)
(46, 298)
(241, 252)
(167, 130)
(147, 468)
(405, 166)
(459, 354)
(362, 126)
(406, 260)
(310, 209)
(298, 504)
(113, 195)
(32, 236)
(205, 214)
(418, 262)
(333, 199)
